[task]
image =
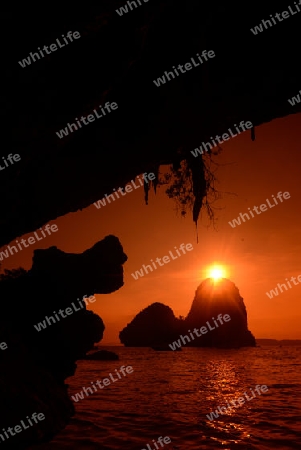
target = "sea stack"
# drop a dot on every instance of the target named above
(154, 325)
(211, 299)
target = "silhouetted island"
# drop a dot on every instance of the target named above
(217, 318)
(277, 342)
(153, 326)
(101, 355)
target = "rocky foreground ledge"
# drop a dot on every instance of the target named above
(35, 364)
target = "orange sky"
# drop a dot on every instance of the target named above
(257, 254)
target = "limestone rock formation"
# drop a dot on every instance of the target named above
(214, 298)
(154, 325)
(35, 364)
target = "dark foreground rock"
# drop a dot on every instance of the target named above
(35, 364)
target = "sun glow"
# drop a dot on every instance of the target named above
(216, 272)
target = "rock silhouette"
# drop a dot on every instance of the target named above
(102, 355)
(214, 298)
(36, 363)
(157, 325)
(154, 325)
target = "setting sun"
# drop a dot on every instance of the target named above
(216, 272)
